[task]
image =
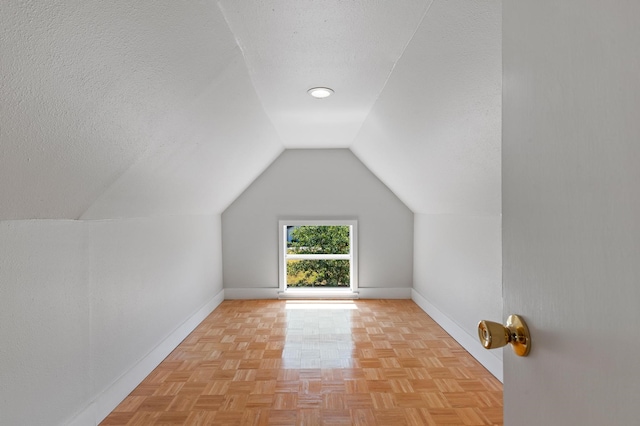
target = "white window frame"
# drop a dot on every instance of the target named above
(283, 256)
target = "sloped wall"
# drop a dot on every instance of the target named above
(458, 276)
(211, 150)
(87, 308)
(113, 110)
(119, 109)
(434, 138)
(308, 184)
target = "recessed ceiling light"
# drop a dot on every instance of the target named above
(320, 92)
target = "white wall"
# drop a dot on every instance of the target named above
(83, 302)
(571, 156)
(458, 268)
(219, 143)
(117, 109)
(434, 138)
(305, 184)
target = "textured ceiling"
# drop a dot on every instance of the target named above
(122, 109)
(117, 109)
(350, 46)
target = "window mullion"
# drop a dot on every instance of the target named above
(290, 256)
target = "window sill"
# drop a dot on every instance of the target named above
(313, 293)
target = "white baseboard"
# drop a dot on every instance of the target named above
(317, 294)
(470, 343)
(361, 293)
(251, 293)
(385, 293)
(104, 403)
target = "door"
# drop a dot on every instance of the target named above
(571, 210)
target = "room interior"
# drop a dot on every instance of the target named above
(129, 130)
(320, 362)
(141, 141)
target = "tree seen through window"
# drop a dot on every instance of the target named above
(318, 241)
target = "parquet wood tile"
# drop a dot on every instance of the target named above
(273, 362)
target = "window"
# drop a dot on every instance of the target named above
(318, 254)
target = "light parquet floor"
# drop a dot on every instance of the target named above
(275, 362)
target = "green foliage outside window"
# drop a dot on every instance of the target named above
(322, 272)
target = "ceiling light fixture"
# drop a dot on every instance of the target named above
(320, 92)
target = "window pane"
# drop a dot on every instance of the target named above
(318, 239)
(318, 273)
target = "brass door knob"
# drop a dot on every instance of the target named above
(495, 335)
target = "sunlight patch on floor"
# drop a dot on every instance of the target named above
(320, 305)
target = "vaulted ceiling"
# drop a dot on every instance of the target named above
(128, 109)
